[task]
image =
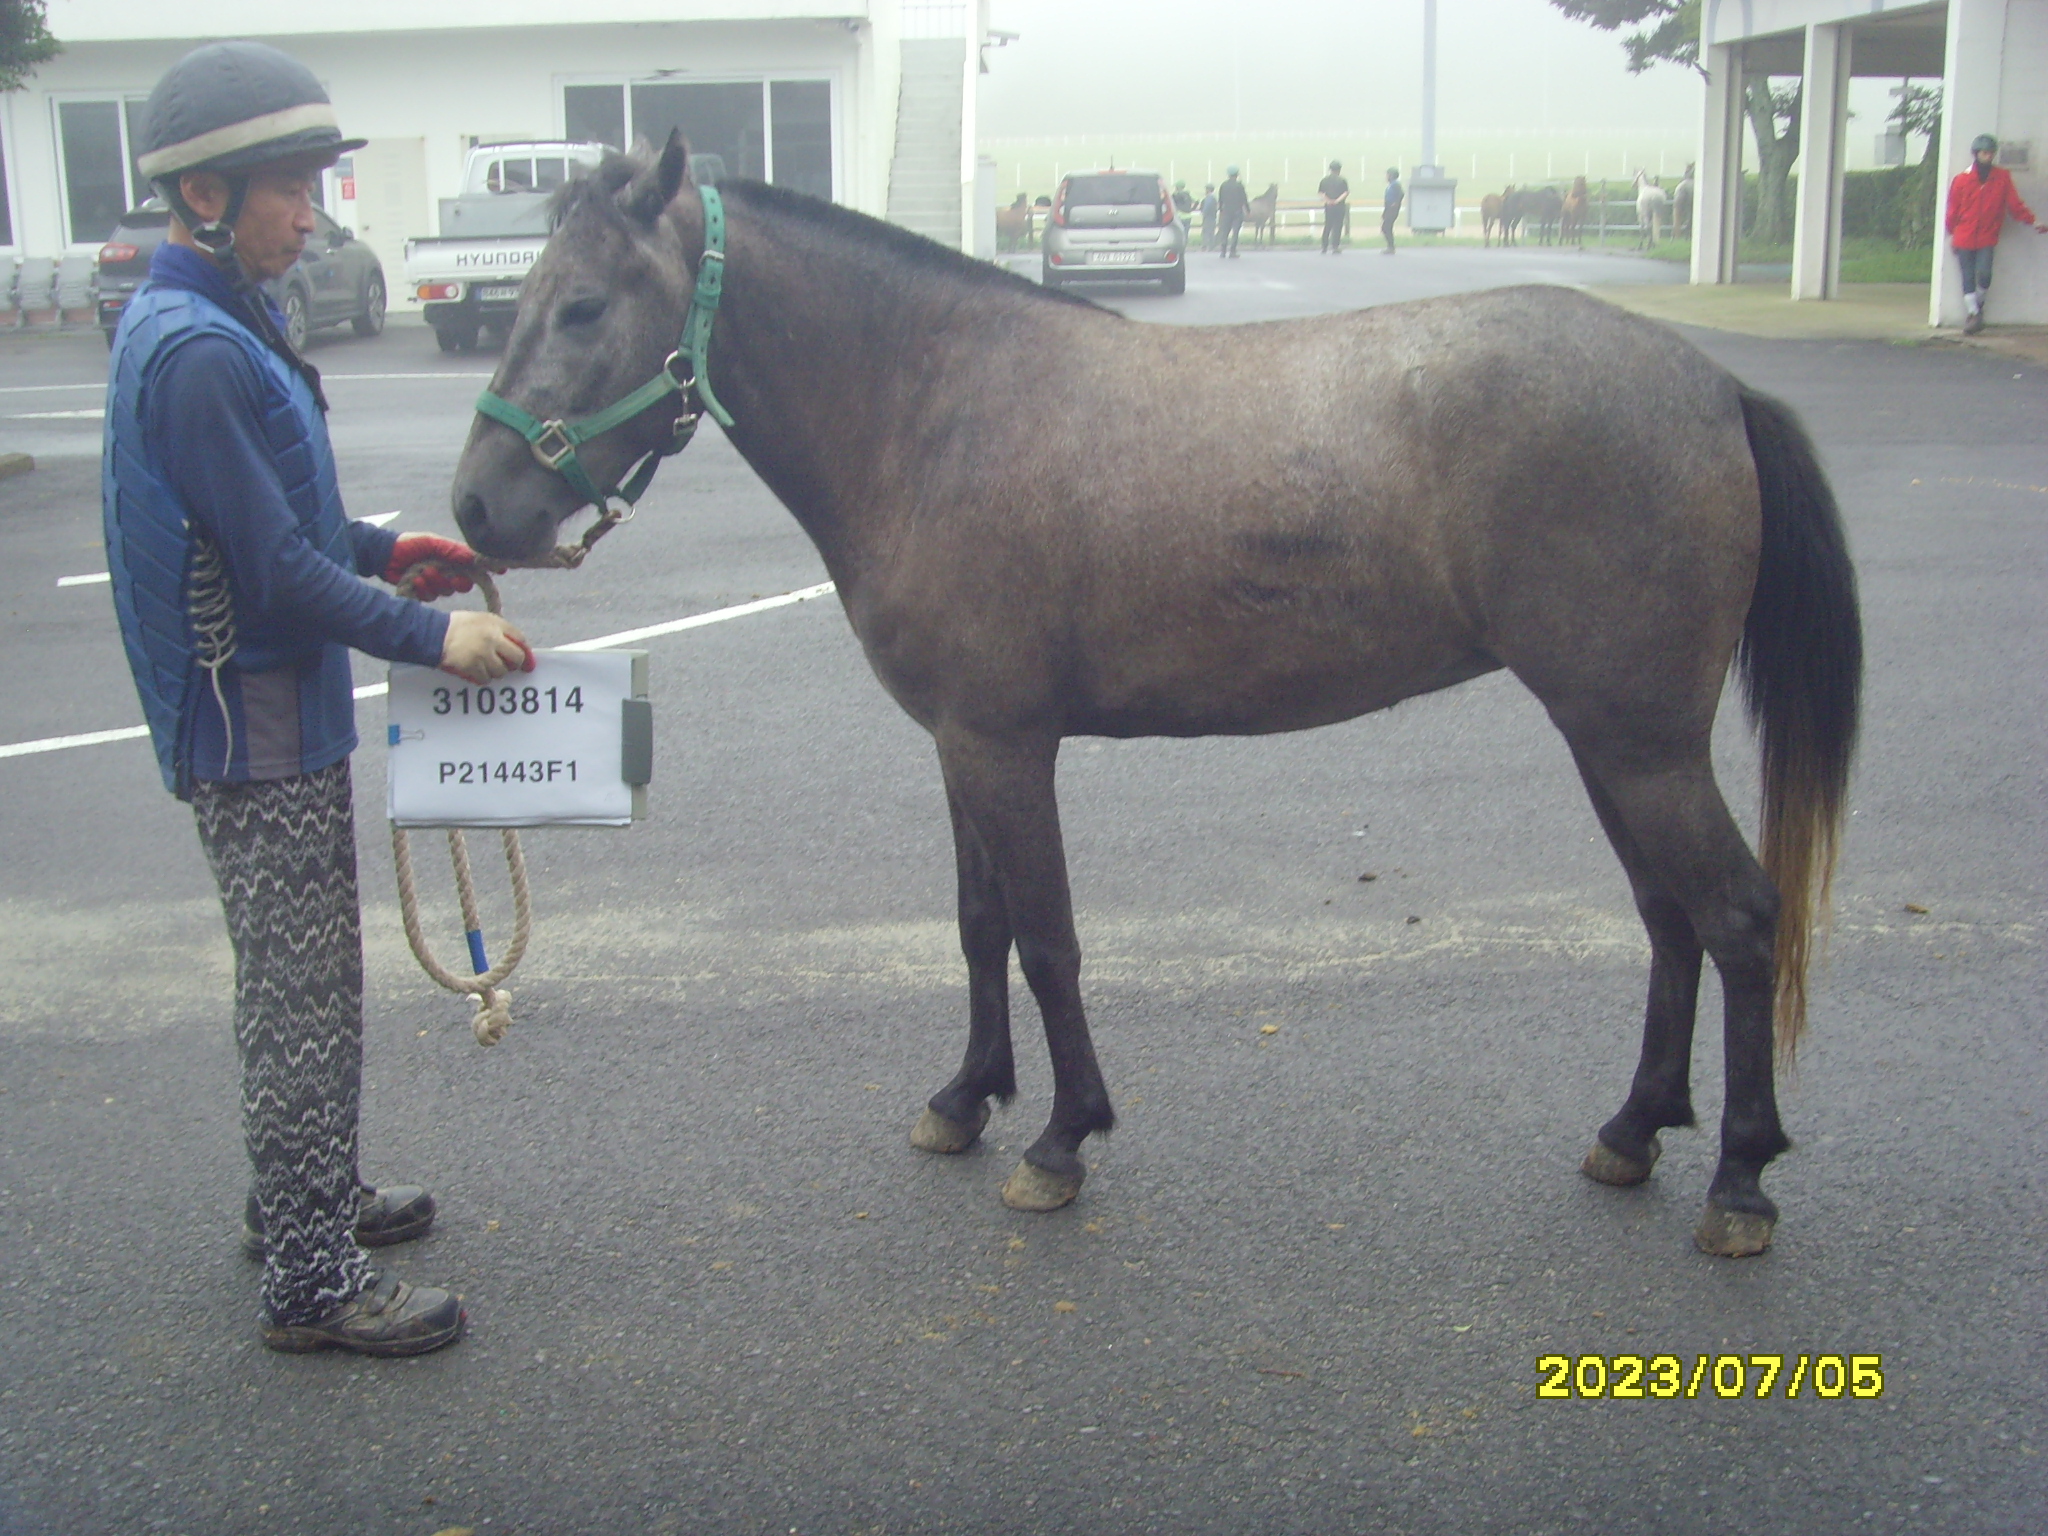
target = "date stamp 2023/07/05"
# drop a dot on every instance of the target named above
(1791, 1377)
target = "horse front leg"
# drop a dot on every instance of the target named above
(1003, 788)
(953, 1120)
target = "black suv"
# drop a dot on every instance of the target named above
(336, 278)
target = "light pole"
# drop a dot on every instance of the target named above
(1432, 196)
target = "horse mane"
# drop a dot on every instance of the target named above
(598, 187)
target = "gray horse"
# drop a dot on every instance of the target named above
(1428, 492)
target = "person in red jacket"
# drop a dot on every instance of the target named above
(1978, 201)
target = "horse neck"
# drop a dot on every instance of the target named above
(823, 351)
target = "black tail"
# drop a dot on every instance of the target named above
(1801, 663)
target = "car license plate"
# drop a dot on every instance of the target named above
(499, 293)
(1115, 258)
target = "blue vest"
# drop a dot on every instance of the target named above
(150, 538)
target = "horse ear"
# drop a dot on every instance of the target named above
(653, 189)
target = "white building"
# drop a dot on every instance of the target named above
(1992, 58)
(868, 102)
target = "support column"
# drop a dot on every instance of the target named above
(1817, 217)
(1717, 186)
(1970, 89)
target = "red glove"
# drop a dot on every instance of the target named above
(444, 565)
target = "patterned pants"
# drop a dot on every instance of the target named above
(283, 853)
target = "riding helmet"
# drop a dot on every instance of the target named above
(1983, 141)
(233, 106)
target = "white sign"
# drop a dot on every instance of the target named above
(568, 743)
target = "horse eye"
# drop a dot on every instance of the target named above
(581, 311)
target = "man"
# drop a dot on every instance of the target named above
(235, 582)
(1232, 204)
(1336, 194)
(1183, 199)
(1208, 215)
(1978, 201)
(1391, 208)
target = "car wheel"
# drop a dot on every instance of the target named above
(295, 326)
(456, 336)
(369, 321)
(1175, 281)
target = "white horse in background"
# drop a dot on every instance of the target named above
(1653, 205)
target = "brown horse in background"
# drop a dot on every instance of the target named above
(1492, 212)
(1571, 222)
(1374, 534)
(1544, 208)
(1264, 214)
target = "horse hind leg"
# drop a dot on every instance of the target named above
(1660, 1097)
(954, 1118)
(1690, 848)
(1004, 791)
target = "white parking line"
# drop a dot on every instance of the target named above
(376, 690)
(97, 413)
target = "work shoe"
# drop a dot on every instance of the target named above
(1973, 322)
(385, 1216)
(388, 1317)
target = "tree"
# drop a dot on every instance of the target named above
(1668, 32)
(25, 41)
(1919, 111)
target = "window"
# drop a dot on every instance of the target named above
(595, 114)
(800, 117)
(101, 181)
(521, 174)
(778, 130)
(721, 120)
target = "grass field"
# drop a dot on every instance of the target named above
(1864, 260)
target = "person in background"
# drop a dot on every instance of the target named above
(1183, 199)
(235, 583)
(1232, 203)
(1336, 195)
(1209, 216)
(1978, 202)
(1390, 209)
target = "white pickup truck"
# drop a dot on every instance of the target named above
(468, 276)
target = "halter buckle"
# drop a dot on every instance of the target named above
(552, 445)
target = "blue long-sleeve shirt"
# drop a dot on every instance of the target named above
(203, 422)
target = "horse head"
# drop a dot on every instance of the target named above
(599, 313)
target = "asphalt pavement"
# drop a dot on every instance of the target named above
(1310, 1280)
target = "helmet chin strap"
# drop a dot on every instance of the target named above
(216, 237)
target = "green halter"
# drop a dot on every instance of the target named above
(555, 442)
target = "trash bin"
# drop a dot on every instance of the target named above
(1432, 200)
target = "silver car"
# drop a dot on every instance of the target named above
(1118, 226)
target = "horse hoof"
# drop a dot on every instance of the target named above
(935, 1133)
(1732, 1234)
(1611, 1167)
(1031, 1188)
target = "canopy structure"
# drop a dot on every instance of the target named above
(1992, 59)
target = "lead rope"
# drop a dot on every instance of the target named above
(493, 1014)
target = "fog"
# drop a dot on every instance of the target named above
(1283, 66)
